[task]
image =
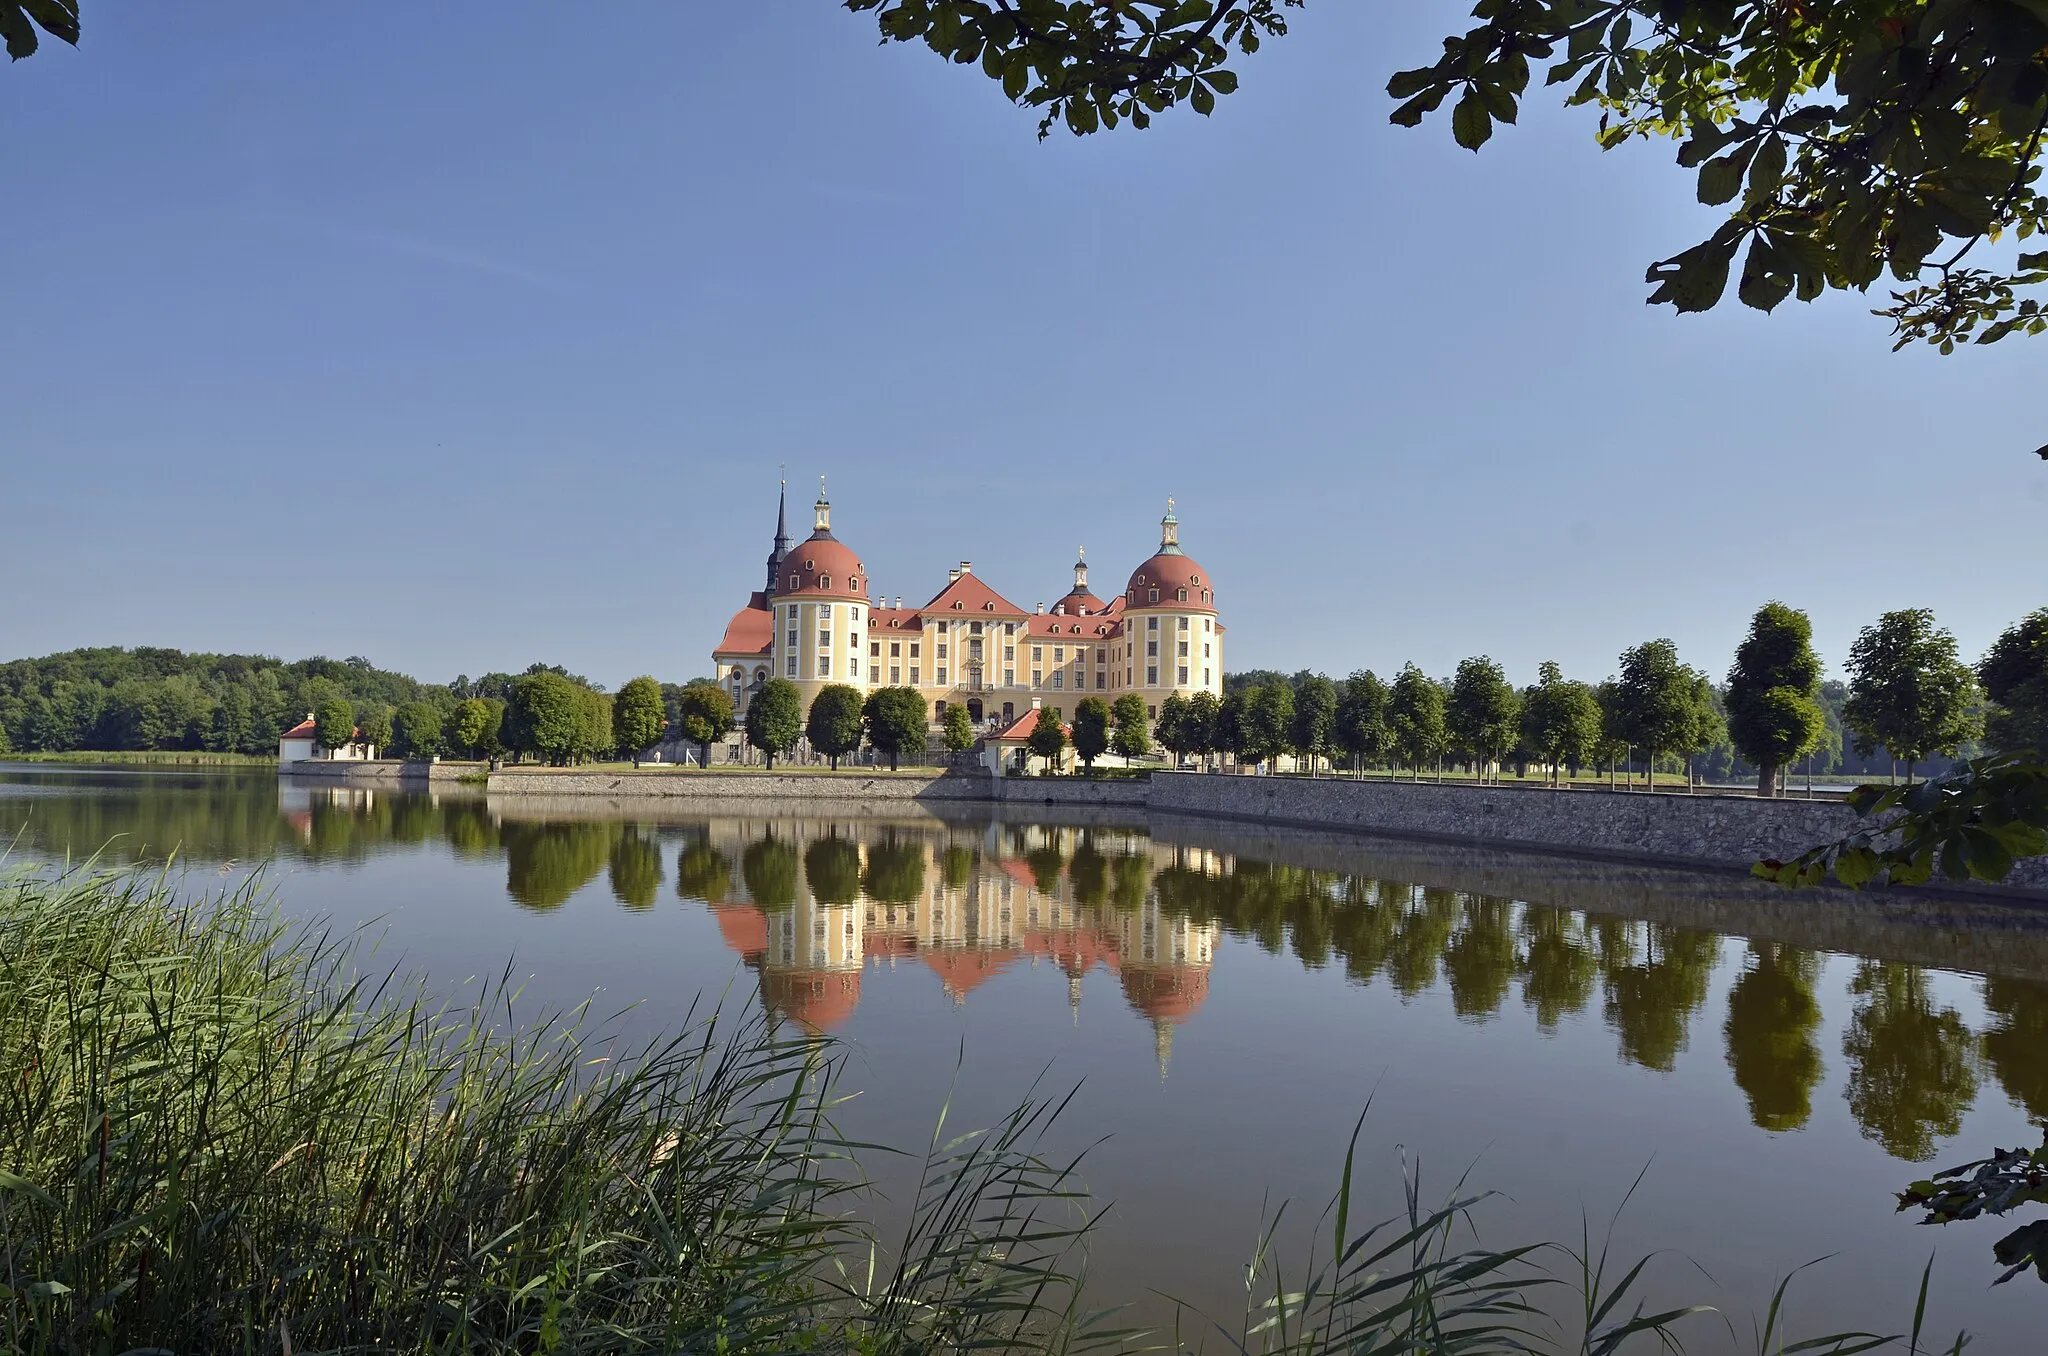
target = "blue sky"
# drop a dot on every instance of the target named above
(473, 333)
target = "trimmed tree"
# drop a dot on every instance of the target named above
(1048, 738)
(334, 723)
(1199, 723)
(958, 729)
(1130, 734)
(638, 717)
(2015, 676)
(548, 715)
(775, 718)
(1269, 721)
(476, 725)
(1774, 713)
(834, 721)
(416, 730)
(1907, 689)
(1172, 728)
(594, 721)
(703, 713)
(1415, 718)
(1362, 718)
(1658, 703)
(1484, 713)
(1561, 720)
(373, 724)
(896, 720)
(1313, 732)
(1091, 730)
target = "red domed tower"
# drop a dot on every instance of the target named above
(819, 605)
(1172, 640)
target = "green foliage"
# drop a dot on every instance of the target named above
(958, 729)
(1415, 718)
(834, 722)
(894, 873)
(1048, 738)
(416, 730)
(703, 872)
(1484, 712)
(775, 718)
(1198, 723)
(768, 869)
(545, 714)
(334, 723)
(6, 746)
(635, 867)
(1774, 715)
(1662, 705)
(1912, 1071)
(1361, 728)
(1091, 730)
(19, 20)
(1267, 727)
(1561, 720)
(1090, 66)
(832, 870)
(1773, 1019)
(1997, 1185)
(2015, 676)
(1130, 733)
(703, 712)
(638, 716)
(1908, 691)
(477, 726)
(374, 725)
(1171, 729)
(593, 724)
(897, 720)
(1312, 734)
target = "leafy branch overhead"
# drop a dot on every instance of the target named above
(19, 20)
(1850, 140)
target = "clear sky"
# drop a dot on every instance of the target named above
(467, 334)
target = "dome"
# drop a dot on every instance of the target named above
(1180, 582)
(822, 567)
(816, 1000)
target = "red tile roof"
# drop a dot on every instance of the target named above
(1022, 728)
(751, 630)
(305, 729)
(973, 597)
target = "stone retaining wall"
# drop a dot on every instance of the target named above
(378, 772)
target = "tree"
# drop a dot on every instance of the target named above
(1792, 119)
(1091, 730)
(1908, 692)
(1561, 720)
(832, 869)
(1774, 713)
(1268, 721)
(896, 720)
(334, 723)
(1230, 720)
(593, 724)
(1130, 735)
(2014, 672)
(1484, 713)
(1912, 1062)
(1362, 719)
(1315, 718)
(5, 745)
(1770, 1028)
(373, 723)
(1048, 738)
(833, 724)
(958, 729)
(475, 729)
(416, 730)
(775, 718)
(638, 717)
(1706, 724)
(1415, 718)
(1198, 723)
(703, 713)
(1657, 702)
(1171, 730)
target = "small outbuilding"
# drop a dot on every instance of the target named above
(301, 743)
(1009, 753)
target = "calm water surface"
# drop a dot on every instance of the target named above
(1229, 998)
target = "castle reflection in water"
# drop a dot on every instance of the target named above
(811, 907)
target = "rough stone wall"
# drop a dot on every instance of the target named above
(1723, 831)
(730, 787)
(381, 772)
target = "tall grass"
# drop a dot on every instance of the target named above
(216, 1135)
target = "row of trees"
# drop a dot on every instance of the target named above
(1909, 694)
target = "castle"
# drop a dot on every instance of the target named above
(814, 624)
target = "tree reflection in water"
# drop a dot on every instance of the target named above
(1772, 1019)
(1912, 1066)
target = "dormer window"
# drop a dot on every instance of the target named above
(794, 583)
(1183, 595)
(1194, 579)
(957, 605)
(1152, 595)
(825, 582)
(854, 583)
(809, 565)
(1130, 597)
(988, 607)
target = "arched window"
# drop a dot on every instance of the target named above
(1130, 597)
(1194, 579)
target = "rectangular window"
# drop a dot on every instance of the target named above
(1038, 654)
(874, 649)
(1205, 649)
(942, 675)
(1151, 623)
(1037, 677)
(1151, 675)
(895, 649)
(1009, 677)
(1183, 623)
(824, 614)
(895, 673)
(913, 649)
(1183, 649)
(1151, 649)
(1205, 677)
(790, 665)
(1101, 680)
(1101, 655)
(1183, 675)
(1059, 679)
(824, 640)
(1009, 653)
(853, 666)
(1151, 713)
(792, 640)
(942, 649)
(824, 666)
(913, 675)
(1059, 654)
(974, 627)
(853, 642)
(1208, 624)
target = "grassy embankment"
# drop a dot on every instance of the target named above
(149, 757)
(215, 1137)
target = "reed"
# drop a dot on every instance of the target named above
(223, 1132)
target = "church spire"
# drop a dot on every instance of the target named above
(781, 548)
(823, 510)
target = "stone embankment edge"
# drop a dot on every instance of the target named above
(1715, 832)
(379, 772)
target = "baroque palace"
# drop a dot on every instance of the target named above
(814, 624)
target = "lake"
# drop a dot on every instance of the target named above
(1228, 998)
